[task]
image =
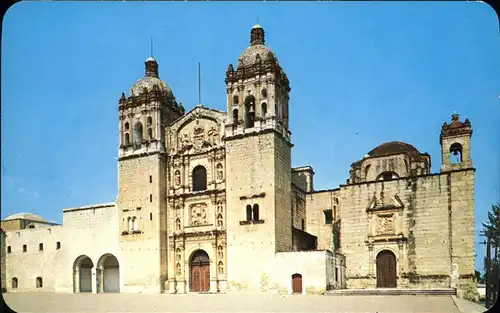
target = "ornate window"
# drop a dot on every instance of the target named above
(456, 153)
(264, 109)
(199, 178)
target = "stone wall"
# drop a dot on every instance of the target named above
(140, 197)
(317, 203)
(415, 219)
(250, 179)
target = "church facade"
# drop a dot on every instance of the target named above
(208, 202)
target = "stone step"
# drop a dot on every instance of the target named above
(393, 292)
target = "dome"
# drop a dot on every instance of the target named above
(148, 82)
(249, 56)
(26, 216)
(393, 147)
(151, 79)
(257, 47)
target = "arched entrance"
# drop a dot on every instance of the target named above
(297, 283)
(199, 269)
(108, 274)
(386, 270)
(82, 274)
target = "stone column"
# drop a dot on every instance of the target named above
(100, 279)
(370, 257)
(94, 280)
(401, 258)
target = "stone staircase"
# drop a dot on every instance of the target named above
(393, 292)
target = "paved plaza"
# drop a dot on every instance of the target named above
(222, 303)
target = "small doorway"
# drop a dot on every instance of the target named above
(297, 284)
(199, 269)
(386, 270)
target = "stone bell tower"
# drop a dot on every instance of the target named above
(455, 142)
(258, 164)
(142, 180)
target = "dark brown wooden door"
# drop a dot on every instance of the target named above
(297, 283)
(200, 272)
(386, 270)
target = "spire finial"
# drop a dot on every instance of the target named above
(151, 54)
(257, 35)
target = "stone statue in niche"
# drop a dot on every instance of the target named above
(213, 136)
(221, 268)
(219, 221)
(198, 214)
(385, 225)
(178, 269)
(220, 172)
(220, 252)
(220, 208)
(178, 251)
(178, 224)
(177, 178)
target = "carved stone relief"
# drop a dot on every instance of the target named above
(198, 214)
(385, 224)
(221, 267)
(213, 136)
(177, 178)
(220, 252)
(220, 172)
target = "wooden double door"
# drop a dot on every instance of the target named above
(200, 272)
(386, 270)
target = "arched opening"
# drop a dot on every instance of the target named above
(249, 212)
(127, 126)
(297, 283)
(456, 153)
(199, 269)
(235, 116)
(127, 139)
(264, 110)
(14, 282)
(367, 169)
(386, 270)
(150, 121)
(235, 99)
(138, 135)
(39, 282)
(199, 178)
(82, 274)
(255, 212)
(108, 274)
(263, 93)
(249, 111)
(387, 176)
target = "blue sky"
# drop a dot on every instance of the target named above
(361, 74)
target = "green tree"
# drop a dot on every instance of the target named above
(479, 278)
(492, 228)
